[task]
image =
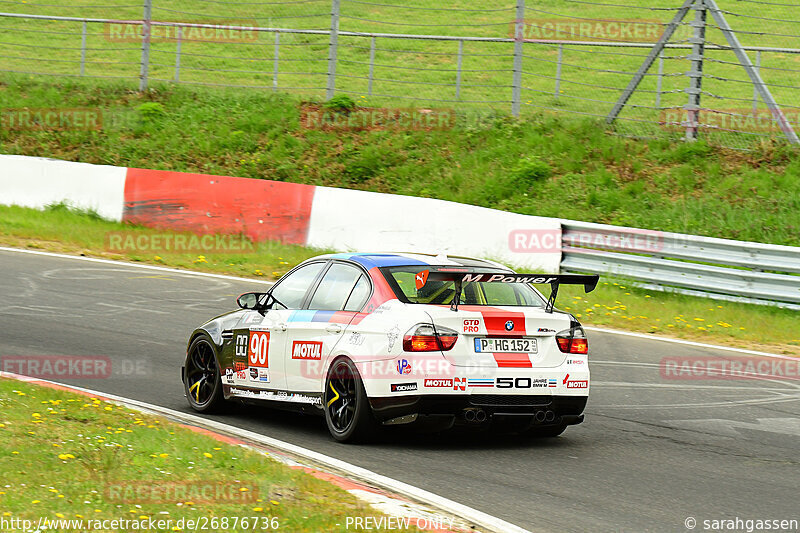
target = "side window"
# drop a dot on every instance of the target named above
(290, 290)
(335, 288)
(359, 296)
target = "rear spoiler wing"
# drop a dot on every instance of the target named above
(459, 276)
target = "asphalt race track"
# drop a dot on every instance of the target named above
(651, 453)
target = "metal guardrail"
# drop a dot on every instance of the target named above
(688, 264)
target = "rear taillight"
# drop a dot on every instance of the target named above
(426, 338)
(573, 340)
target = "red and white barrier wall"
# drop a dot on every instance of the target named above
(322, 217)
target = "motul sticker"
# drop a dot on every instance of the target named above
(578, 384)
(448, 383)
(258, 349)
(307, 350)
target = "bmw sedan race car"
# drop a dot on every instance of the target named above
(371, 340)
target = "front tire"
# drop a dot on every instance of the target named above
(348, 414)
(201, 377)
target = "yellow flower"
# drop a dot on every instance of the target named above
(243, 489)
(258, 509)
(206, 454)
(59, 515)
(36, 415)
(15, 453)
(36, 501)
(65, 456)
(163, 455)
(273, 502)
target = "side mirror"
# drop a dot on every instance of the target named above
(250, 300)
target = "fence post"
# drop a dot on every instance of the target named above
(558, 68)
(178, 55)
(519, 34)
(275, 71)
(146, 31)
(698, 41)
(371, 64)
(333, 49)
(755, 89)
(83, 49)
(659, 79)
(458, 68)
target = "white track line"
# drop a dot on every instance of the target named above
(235, 278)
(137, 265)
(687, 343)
(404, 489)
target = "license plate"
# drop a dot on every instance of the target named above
(483, 344)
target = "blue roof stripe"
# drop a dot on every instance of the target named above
(379, 260)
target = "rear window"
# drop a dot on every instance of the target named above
(402, 280)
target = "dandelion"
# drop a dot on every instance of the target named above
(65, 456)
(36, 501)
(163, 455)
(59, 515)
(274, 502)
(208, 455)
(258, 509)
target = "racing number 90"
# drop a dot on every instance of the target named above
(258, 352)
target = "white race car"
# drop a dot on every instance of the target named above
(389, 339)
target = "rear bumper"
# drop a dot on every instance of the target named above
(567, 409)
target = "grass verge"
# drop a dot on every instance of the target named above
(541, 165)
(614, 304)
(66, 456)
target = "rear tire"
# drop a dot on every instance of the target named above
(348, 414)
(201, 376)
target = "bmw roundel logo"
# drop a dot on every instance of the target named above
(509, 325)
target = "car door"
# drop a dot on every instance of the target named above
(260, 341)
(313, 333)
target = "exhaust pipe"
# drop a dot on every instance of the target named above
(469, 415)
(549, 416)
(540, 416)
(480, 416)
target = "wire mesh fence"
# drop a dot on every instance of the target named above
(568, 56)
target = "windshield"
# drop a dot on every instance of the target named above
(473, 293)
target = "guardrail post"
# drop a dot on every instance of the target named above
(146, 32)
(755, 89)
(659, 79)
(519, 34)
(333, 49)
(275, 71)
(558, 68)
(458, 68)
(698, 41)
(371, 64)
(179, 35)
(83, 49)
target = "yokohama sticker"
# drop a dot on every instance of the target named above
(307, 350)
(258, 349)
(404, 387)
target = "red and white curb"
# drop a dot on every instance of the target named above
(401, 503)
